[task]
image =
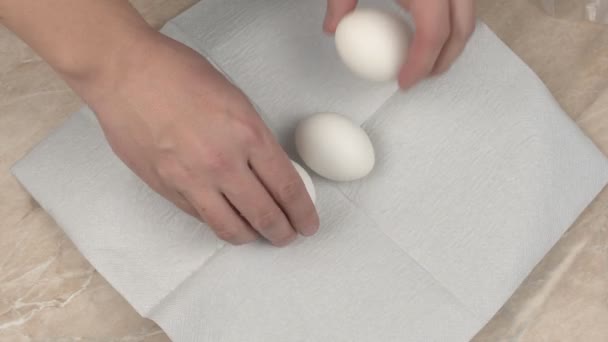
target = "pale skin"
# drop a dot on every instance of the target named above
(186, 131)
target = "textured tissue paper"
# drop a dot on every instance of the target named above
(479, 172)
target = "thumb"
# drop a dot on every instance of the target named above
(336, 10)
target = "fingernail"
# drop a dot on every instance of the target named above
(310, 231)
(287, 241)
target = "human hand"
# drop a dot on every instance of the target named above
(195, 138)
(442, 29)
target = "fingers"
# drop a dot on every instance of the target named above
(214, 209)
(432, 18)
(336, 10)
(462, 14)
(442, 30)
(252, 200)
(277, 173)
(181, 202)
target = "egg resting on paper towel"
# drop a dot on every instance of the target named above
(334, 147)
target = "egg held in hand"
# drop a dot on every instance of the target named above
(372, 43)
(334, 147)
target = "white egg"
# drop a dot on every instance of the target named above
(310, 187)
(372, 43)
(334, 147)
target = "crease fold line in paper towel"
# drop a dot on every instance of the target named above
(239, 59)
(467, 242)
(175, 31)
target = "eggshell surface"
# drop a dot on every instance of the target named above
(334, 147)
(372, 43)
(310, 187)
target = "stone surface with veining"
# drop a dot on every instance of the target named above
(49, 292)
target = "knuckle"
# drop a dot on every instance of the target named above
(217, 162)
(249, 132)
(291, 191)
(204, 213)
(266, 220)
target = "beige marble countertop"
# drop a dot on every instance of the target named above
(49, 292)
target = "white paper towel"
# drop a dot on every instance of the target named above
(479, 172)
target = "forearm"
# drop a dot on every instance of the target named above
(81, 39)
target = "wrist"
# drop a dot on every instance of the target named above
(98, 64)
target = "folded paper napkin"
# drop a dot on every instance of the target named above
(478, 174)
